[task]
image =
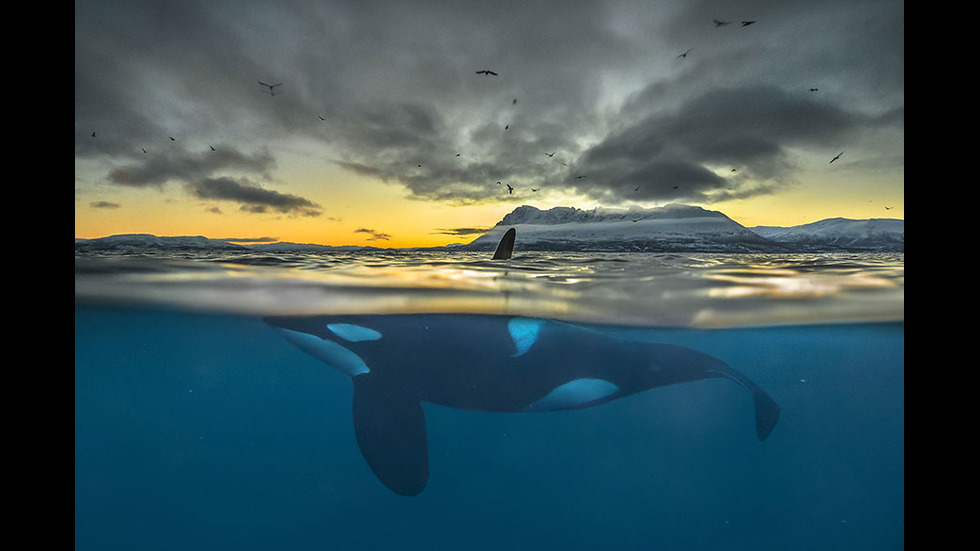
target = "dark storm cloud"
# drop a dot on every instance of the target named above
(735, 132)
(383, 87)
(252, 198)
(172, 163)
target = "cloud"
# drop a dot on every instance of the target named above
(379, 88)
(177, 164)
(375, 235)
(462, 232)
(251, 197)
(711, 145)
(104, 205)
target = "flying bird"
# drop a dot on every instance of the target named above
(514, 102)
(637, 188)
(685, 53)
(580, 176)
(271, 87)
(93, 134)
(837, 157)
(888, 208)
(172, 139)
(506, 127)
(551, 154)
(720, 23)
(486, 72)
(510, 189)
(212, 148)
(747, 23)
(144, 150)
(813, 89)
(535, 189)
(321, 117)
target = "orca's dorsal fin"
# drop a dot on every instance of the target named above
(506, 246)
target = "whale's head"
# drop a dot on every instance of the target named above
(328, 342)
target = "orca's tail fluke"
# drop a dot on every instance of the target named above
(766, 412)
(766, 409)
(506, 246)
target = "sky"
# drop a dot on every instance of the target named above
(369, 122)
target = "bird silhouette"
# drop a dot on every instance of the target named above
(172, 139)
(535, 189)
(514, 102)
(720, 23)
(271, 87)
(637, 188)
(685, 53)
(212, 148)
(813, 89)
(580, 176)
(486, 72)
(888, 208)
(144, 150)
(747, 23)
(510, 189)
(551, 154)
(93, 134)
(506, 127)
(321, 117)
(837, 157)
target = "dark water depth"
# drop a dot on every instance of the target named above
(203, 431)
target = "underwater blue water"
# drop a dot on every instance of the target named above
(207, 430)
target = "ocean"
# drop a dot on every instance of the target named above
(198, 426)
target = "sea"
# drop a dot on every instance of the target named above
(198, 427)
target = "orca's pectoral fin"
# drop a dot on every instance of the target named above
(390, 430)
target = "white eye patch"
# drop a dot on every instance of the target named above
(328, 352)
(353, 333)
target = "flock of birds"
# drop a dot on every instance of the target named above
(488, 72)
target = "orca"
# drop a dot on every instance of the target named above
(483, 362)
(489, 363)
(505, 248)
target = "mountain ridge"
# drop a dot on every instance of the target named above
(671, 228)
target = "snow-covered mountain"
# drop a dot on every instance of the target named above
(667, 228)
(139, 242)
(671, 228)
(876, 234)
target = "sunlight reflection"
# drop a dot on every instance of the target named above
(655, 290)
